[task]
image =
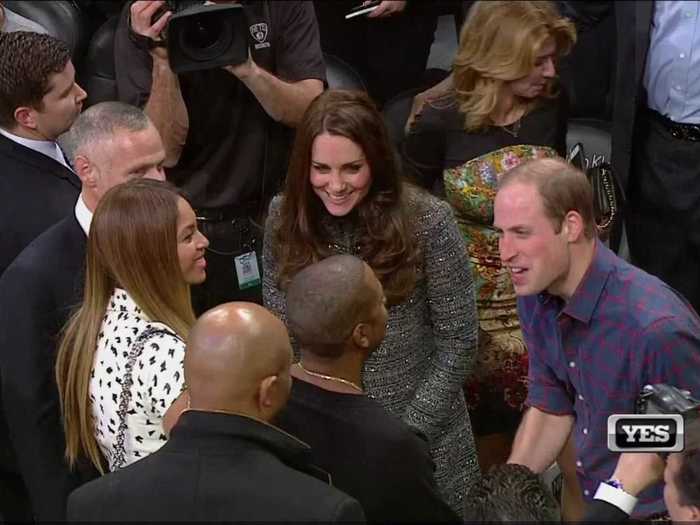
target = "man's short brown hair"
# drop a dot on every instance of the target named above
(27, 61)
(562, 187)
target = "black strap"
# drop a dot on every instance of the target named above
(118, 456)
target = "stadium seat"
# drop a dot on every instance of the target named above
(61, 19)
(97, 76)
(341, 75)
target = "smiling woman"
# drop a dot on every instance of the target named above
(119, 366)
(344, 194)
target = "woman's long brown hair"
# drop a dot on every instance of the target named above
(386, 241)
(132, 245)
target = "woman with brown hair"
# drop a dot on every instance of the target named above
(344, 194)
(503, 109)
(119, 365)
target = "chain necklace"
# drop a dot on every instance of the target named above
(512, 129)
(330, 378)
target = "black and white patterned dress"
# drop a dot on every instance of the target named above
(157, 380)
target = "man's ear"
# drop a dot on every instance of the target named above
(360, 335)
(24, 116)
(267, 392)
(85, 171)
(573, 226)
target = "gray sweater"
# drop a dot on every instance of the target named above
(418, 371)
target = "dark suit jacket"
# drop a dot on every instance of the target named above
(35, 193)
(217, 467)
(603, 511)
(633, 24)
(37, 293)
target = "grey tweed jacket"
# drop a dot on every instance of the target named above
(418, 372)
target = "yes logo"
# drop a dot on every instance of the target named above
(645, 433)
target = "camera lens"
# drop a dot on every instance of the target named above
(202, 34)
(204, 37)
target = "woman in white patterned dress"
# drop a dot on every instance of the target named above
(119, 366)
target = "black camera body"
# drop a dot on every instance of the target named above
(665, 399)
(203, 36)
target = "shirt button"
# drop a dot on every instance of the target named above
(572, 364)
(585, 431)
(682, 55)
(579, 464)
(580, 397)
(586, 492)
(679, 88)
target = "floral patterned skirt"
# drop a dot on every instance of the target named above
(497, 388)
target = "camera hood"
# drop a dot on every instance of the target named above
(207, 37)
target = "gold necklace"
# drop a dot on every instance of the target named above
(330, 378)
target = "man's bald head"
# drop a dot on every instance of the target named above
(237, 359)
(326, 301)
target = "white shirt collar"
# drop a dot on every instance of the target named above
(83, 214)
(45, 147)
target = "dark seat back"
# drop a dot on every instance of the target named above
(98, 76)
(61, 19)
(341, 75)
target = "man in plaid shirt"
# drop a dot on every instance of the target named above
(597, 328)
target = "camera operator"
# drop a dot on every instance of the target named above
(226, 130)
(616, 498)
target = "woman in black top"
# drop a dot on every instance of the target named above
(503, 108)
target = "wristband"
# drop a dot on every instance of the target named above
(614, 483)
(611, 492)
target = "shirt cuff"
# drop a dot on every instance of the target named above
(623, 501)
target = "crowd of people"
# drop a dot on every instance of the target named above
(228, 296)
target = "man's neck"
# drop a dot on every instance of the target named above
(27, 133)
(582, 255)
(347, 367)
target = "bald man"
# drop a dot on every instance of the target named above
(336, 310)
(224, 461)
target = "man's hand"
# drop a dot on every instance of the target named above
(387, 8)
(142, 12)
(637, 471)
(243, 70)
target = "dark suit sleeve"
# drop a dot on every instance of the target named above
(88, 503)
(133, 65)
(29, 394)
(599, 510)
(349, 510)
(585, 14)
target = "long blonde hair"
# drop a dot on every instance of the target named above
(498, 44)
(132, 245)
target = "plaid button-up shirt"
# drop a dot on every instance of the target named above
(590, 357)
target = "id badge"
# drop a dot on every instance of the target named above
(247, 270)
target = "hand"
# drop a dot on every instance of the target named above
(243, 70)
(638, 470)
(418, 102)
(420, 99)
(142, 12)
(387, 8)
